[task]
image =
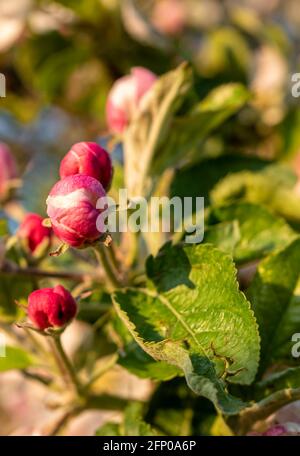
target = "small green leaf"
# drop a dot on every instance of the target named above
(47, 223)
(197, 320)
(15, 358)
(151, 126)
(109, 430)
(133, 424)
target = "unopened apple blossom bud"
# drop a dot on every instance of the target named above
(125, 97)
(170, 16)
(51, 307)
(71, 207)
(33, 233)
(90, 159)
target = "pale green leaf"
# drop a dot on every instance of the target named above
(151, 126)
(248, 231)
(272, 187)
(183, 144)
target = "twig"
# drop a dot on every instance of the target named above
(56, 426)
(261, 410)
(32, 376)
(10, 268)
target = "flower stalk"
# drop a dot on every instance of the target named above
(114, 279)
(64, 364)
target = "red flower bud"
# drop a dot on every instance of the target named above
(8, 169)
(51, 307)
(126, 96)
(90, 159)
(33, 232)
(72, 209)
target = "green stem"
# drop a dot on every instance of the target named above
(112, 274)
(113, 257)
(65, 364)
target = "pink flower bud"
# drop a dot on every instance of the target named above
(125, 97)
(8, 169)
(71, 206)
(90, 159)
(170, 16)
(33, 232)
(276, 430)
(51, 307)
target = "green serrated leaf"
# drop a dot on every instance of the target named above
(274, 294)
(197, 320)
(137, 361)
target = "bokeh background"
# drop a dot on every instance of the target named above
(61, 57)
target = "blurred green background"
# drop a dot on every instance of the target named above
(60, 59)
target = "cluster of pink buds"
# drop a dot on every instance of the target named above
(86, 173)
